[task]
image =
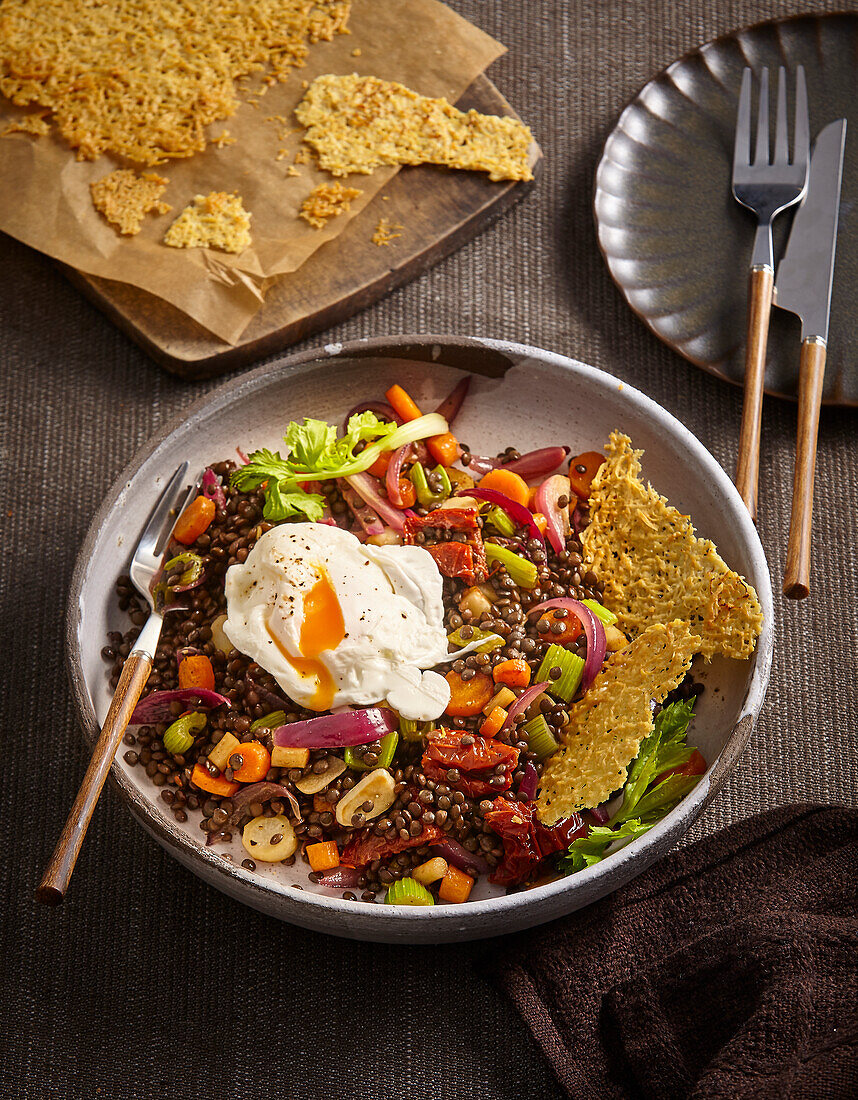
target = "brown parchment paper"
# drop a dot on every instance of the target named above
(46, 200)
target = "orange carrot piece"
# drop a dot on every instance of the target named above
(455, 886)
(321, 805)
(403, 404)
(515, 673)
(468, 697)
(541, 522)
(407, 492)
(256, 762)
(444, 448)
(507, 482)
(582, 469)
(531, 497)
(194, 520)
(493, 723)
(379, 467)
(214, 784)
(323, 856)
(571, 627)
(196, 671)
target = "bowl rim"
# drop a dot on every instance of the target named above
(450, 918)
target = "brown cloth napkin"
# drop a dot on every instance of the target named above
(728, 970)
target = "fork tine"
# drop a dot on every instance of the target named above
(801, 152)
(155, 527)
(762, 154)
(742, 143)
(781, 138)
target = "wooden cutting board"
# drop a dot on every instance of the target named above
(438, 209)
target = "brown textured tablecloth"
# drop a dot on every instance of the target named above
(150, 984)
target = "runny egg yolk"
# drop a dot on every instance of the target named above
(322, 628)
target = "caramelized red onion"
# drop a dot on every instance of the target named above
(596, 642)
(367, 488)
(344, 878)
(261, 792)
(452, 403)
(520, 515)
(157, 707)
(460, 857)
(529, 781)
(523, 702)
(212, 488)
(337, 731)
(530, 466)
(547, 501)
(394, 473)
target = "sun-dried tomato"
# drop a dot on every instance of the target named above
(454, 559)
(476, 763)
(468, 559)
(526, 841)
(442, 519)
(365, 846)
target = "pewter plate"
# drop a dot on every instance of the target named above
(520, 395)
(676, 242)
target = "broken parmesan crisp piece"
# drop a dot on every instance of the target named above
(216, 220)
(655, 569)
(34, 123)
(326, 201)
(124, 198)
(384, 232)
(359, 123)
(607, 725)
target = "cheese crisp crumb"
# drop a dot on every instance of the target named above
(292, 170)
(34, 123)
(357, 124)
(384, 234)
(217, 220)
(124, 198)
(143, 78)
(655, 569)
(607, 725)
(225, 138)
(327, 201)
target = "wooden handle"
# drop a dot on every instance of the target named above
(759, 310)
(51, 890)
(812, 372)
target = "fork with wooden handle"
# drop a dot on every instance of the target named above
(145, 566)
(767, 189)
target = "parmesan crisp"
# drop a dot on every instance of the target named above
(359, 123)
(655, 569)
(216, 220)
(124, 198)
(326, 201)
(34, 123)
(143, 78)
(607, 725)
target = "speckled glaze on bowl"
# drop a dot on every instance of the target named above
(521, 396)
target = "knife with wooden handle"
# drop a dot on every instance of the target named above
(803, 286)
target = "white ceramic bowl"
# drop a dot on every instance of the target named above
(520, 396)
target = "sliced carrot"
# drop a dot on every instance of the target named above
(407, 492)
(321, 805)
(582, 469)
(455, 886)
(531, 497)
(444, 448)
(214, 784)
(323, 856)
(571, 627)
(196, 671)
(507, 482)
(379, 467)
(256, 760)
(403, 404)
(491, 726)
(194, 520)
(514, 673)
(468, 697)
(541, 522)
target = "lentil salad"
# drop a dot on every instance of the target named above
(461, 789)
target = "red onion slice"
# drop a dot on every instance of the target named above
(546, 501)
(523, 702)
(261, 792)
(212, 488)
(157, 706)
(452, 403)
(535, 464)
(527, 786)
(394, 473)
(522, 516)
(343, 878)
(578, 521)
(600, 814)
(479, 465)
(244, 459)
(337, 731)
(381, 409)
(596, 642)
(368, 520)
(366, 487)
(460, 857)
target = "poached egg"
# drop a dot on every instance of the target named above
(341, 623)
